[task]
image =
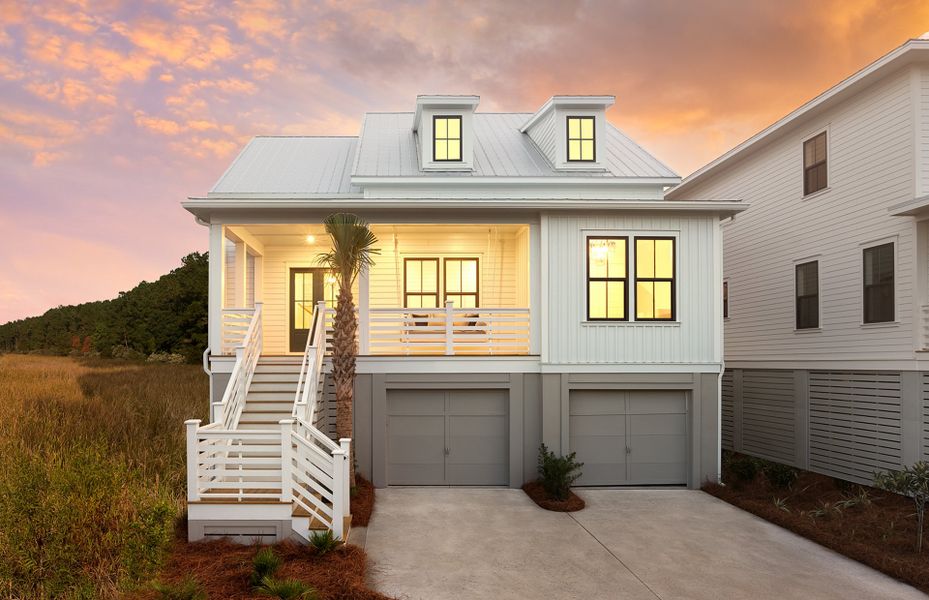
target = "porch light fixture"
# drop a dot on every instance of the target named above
(311, 239)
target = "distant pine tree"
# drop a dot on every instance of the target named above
(167, 315)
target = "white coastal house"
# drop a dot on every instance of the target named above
(533, 285)
(827, 275)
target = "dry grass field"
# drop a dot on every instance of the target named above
(91, 472)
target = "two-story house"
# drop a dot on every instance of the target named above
(826, 275)
(533, 285)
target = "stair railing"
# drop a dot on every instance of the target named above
(228, 410)
(307, 395)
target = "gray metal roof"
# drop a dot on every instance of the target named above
(292, 165)
(387, 148)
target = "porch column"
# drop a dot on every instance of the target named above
(240, 272)
(364, 305)
(259, 278)
(535, 289)
(217, 266)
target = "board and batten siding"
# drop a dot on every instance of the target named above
(871, 167)
(573, 340)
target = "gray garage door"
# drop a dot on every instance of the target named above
(447, 437)
(629, 437)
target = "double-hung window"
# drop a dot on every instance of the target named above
(814, 164)
(421, 282)
(654, 279)
(807, 295)
(446, 138)
(581, 139)
(461, 282)
(607, 278)
(878, 270)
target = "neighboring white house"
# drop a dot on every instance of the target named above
(826, 275)
(533, 285)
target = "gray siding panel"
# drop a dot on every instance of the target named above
(925, 412)
(728, 410)
(855, 423)
(768, 415)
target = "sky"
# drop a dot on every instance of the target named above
(113, 112)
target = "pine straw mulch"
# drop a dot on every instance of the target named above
(222, 568)
(538, 495)
(880, 533)
(362, 502)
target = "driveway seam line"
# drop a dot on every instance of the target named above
(619, 560)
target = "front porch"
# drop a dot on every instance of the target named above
(434, 290)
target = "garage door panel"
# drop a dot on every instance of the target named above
(658, 424)
(416, 447)
(416, 402)
(592, 425)
(477, 402)
(597, 403)
(657, 473)
(657, 402)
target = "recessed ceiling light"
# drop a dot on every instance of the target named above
(311, 239)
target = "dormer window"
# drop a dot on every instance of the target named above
(446, 138)
(581, 140)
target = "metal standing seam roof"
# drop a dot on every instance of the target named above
(387, 148)
(292, 165)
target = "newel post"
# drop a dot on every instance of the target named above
(193, 460)
(339, 499)
(287, 427)
(346, 445)
(449, 313)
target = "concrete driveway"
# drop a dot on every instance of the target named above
(434, 543)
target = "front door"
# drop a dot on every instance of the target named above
(306, 289)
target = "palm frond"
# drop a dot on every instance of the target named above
(352, 247)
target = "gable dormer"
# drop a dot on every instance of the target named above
(570, 130)
(444, 126)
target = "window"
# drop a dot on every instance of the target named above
(654, 279)
(807, 295)
(879, 283)
(421, 282)
(446, 138)
(725, 298)
(606, 278)
(814, 164)
(581, 139)
(461, 281)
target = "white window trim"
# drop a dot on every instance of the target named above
(817, 258)
(631, 234)
(895, 240)
(827, 129)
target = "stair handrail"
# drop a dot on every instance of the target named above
(230, 408)
(307, 396)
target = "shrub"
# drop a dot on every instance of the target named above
(324, 541)
(743, 468)
(266, 563)
(188, 589)
(779, 475)
(166, 357)
(913, 482)
(287, 589)
(558, 473)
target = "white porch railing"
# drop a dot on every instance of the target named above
(228, 410)
(307, 397)
(234, 327)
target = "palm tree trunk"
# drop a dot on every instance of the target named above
(344, 351)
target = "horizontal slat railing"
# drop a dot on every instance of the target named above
(235, 324)
(233, 465)
(228, 410)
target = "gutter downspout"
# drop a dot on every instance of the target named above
(206, 352)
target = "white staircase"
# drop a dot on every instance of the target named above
(270, 396)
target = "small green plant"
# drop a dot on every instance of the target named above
(781, 504)
(188, 589)
(779, 475)
(324, 541)
(286, 589)
(744, 468)
(266, 563)
(557, 473)
(913, 482)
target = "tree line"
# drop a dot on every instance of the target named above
(165, 316)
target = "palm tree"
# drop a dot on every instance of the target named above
(352, 251)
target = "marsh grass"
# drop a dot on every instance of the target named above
(91, 472)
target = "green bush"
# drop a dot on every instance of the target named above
(265, 564)
(779, 475)
(188, 589)
(557, 473)
(287, 589)
(324, 541)
(744, 468)
(913, 482)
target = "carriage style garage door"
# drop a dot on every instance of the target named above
(447, 437)
(629, 437)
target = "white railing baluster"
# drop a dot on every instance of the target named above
(345, 444)
(193, 460)
(339, 499)
(449, 340)
(287, 429)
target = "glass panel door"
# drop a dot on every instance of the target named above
(306, 289)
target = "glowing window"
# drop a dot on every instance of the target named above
(446, 138)
(421, 282)
(654, 279)
(581, 139)
(462, 281)
(606, 278)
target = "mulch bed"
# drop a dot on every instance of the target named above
(362, 502)
(223, 569)
(880, 533)
(538, 494)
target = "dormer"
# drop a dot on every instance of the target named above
(444, 126)
(570, 131)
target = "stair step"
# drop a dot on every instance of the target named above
(273, 386)
(269, 406)
(282, 396)
(288, 378)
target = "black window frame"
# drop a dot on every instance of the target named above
(822, 165)
(460, 138)
(569, 139)
(672, 279)
(608, 279)
(477, 283)
(725, 298)
(420, 294)
(867, 312)
(804, 300)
